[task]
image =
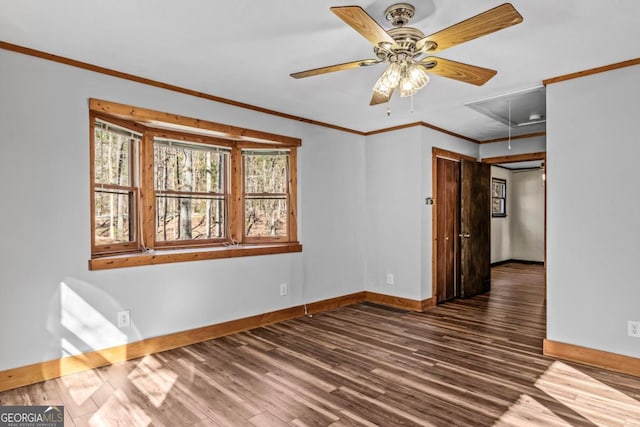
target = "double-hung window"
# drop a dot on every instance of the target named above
(190, 182)
(266, 194)
(167, 188)
(115, 188)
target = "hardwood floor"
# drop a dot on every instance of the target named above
(472, 362)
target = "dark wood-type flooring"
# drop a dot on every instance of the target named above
(472, 362)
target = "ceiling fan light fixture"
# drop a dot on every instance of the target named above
(389, 80)
(414, 79)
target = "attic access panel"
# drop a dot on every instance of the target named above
(528, 109)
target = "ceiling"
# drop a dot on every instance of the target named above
(244, 50)
(527, 165)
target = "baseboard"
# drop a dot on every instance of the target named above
(337, 302)
(588, 356)
(38, 372)
(517, 261)
(398, 302)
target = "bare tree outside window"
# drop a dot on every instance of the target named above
(266, 193)
(114, 190)
(190, 185)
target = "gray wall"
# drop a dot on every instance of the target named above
(398, 179)
(51, 305)
(593, 210)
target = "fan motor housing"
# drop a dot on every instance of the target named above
(405, 43)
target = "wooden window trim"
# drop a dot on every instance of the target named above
(503, 182)
(192, 254)
(146, 250)
(146, 117)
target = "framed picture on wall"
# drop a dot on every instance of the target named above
(498, 197)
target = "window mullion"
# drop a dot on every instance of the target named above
(92, 178)
(236, 217)
(148, 204)
(292, 203)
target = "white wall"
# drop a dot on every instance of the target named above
(593, 210)
(527, 215)
(501, 226)
(519, 235)
(398, 179)
(51, 304)
(394, 197)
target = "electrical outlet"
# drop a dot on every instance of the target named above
(634, 328)
(283, 289)
(124, 319)
(389, 279)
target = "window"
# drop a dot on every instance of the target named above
(498, 197)
(266, 195)
(115, 192)
(180, 183)
(190, 182)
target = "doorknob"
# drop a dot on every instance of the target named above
(465, 235)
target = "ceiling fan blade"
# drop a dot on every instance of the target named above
(359, 20)
(332, 68)
(492, 20)
(457, 70)
(378, 98)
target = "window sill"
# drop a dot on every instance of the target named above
(183, 255)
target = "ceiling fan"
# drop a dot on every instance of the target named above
(402, 48)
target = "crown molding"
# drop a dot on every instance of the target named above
(155, 83)
(604, 68)
(162, 85)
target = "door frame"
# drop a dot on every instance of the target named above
(456, 157)
(514, 158)
(451, 155)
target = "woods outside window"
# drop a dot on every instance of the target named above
(266, 195)
(191, 189)
(154, 187)
(115, 191)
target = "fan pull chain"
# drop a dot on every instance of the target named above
(388, 108)
(412, 103)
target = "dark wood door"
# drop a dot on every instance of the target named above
(475, 222)
(447, 228)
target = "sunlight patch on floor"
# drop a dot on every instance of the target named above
(599, 403)
(153, 380)
(81, 386)
(119, 411)
(528, 411)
